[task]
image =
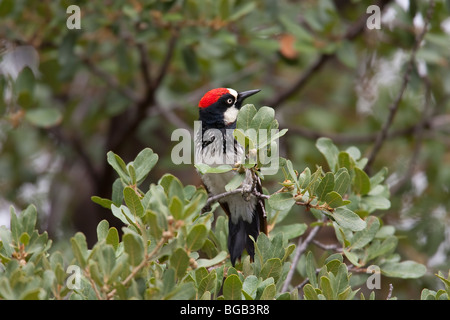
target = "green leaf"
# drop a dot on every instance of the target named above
(327, 289)
(235, 182)
(314, 182)
(176, 208)
(334, 200)
(404, 270)
(342, 181)
(363, 237)
(196, 237)
(133, 202)
(304, 178)
(214, 261)
(118, 165)
(102, 230)
(272, 268)
(271, 137)
(311, 269)
(25, 81)
(6, 240)
(361, 182)
(348, 219)
(44, 117)
(79, 248)
(376, 202)
(105, 203)
(232, 287)
(345, 161)
(118, 213)
(243, 10)
(291, 173)
(378, 248)
(329, 151)
(325, 186)
(144, 162)
(204, 168)
(245, 117)
(208, 283)
(112, 237)
(179, 260)
(247, 140)
(24, 238)
(269, 292)
(117, 192)
(131, 173)
(134, 247)
(263, 118)
(281, 201)
(6, 6)
(309, 292)
(378, 177)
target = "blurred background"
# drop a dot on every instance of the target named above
(127, 73)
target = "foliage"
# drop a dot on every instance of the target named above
(136, 70)
(169, 248)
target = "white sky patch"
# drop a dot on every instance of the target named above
(445, 25)
(404, 4)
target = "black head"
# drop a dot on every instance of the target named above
(219, 107)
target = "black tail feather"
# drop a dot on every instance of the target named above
(238, 238)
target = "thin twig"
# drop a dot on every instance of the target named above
(301, 248)
(166, 63)
(141, 265)
(352, 32)
(110, 81)
(328, 247)
(144, 65)
(419, 135)
(391, 288)
(428, 124)
(393, 108)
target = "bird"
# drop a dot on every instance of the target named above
(218, 112)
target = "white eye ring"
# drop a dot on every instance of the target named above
(229, 101)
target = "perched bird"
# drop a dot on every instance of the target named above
(218, 111)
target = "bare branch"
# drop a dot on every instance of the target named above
(391, 288)
(166, 63)
(428, 124)
(110, 80)
(396, 103)
(144, 65)
(419, 131)
(352, 32)
(301, 248)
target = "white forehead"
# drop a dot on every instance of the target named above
(233, 92)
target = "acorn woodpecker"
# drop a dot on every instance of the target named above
(218, 111)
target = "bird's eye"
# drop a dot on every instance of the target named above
(229, 101)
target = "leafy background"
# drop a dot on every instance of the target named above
(136, 70)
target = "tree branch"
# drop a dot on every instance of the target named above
(419, 135)
(393, 108)
(110, 81)
(166, 63)
(352, 32)
(428, 124)
(301, 248)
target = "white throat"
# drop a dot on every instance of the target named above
(230, 115)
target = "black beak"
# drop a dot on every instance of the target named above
(243, 95)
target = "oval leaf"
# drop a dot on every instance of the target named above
(348, 219)
(281, 201)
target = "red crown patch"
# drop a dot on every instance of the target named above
(211, 97)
